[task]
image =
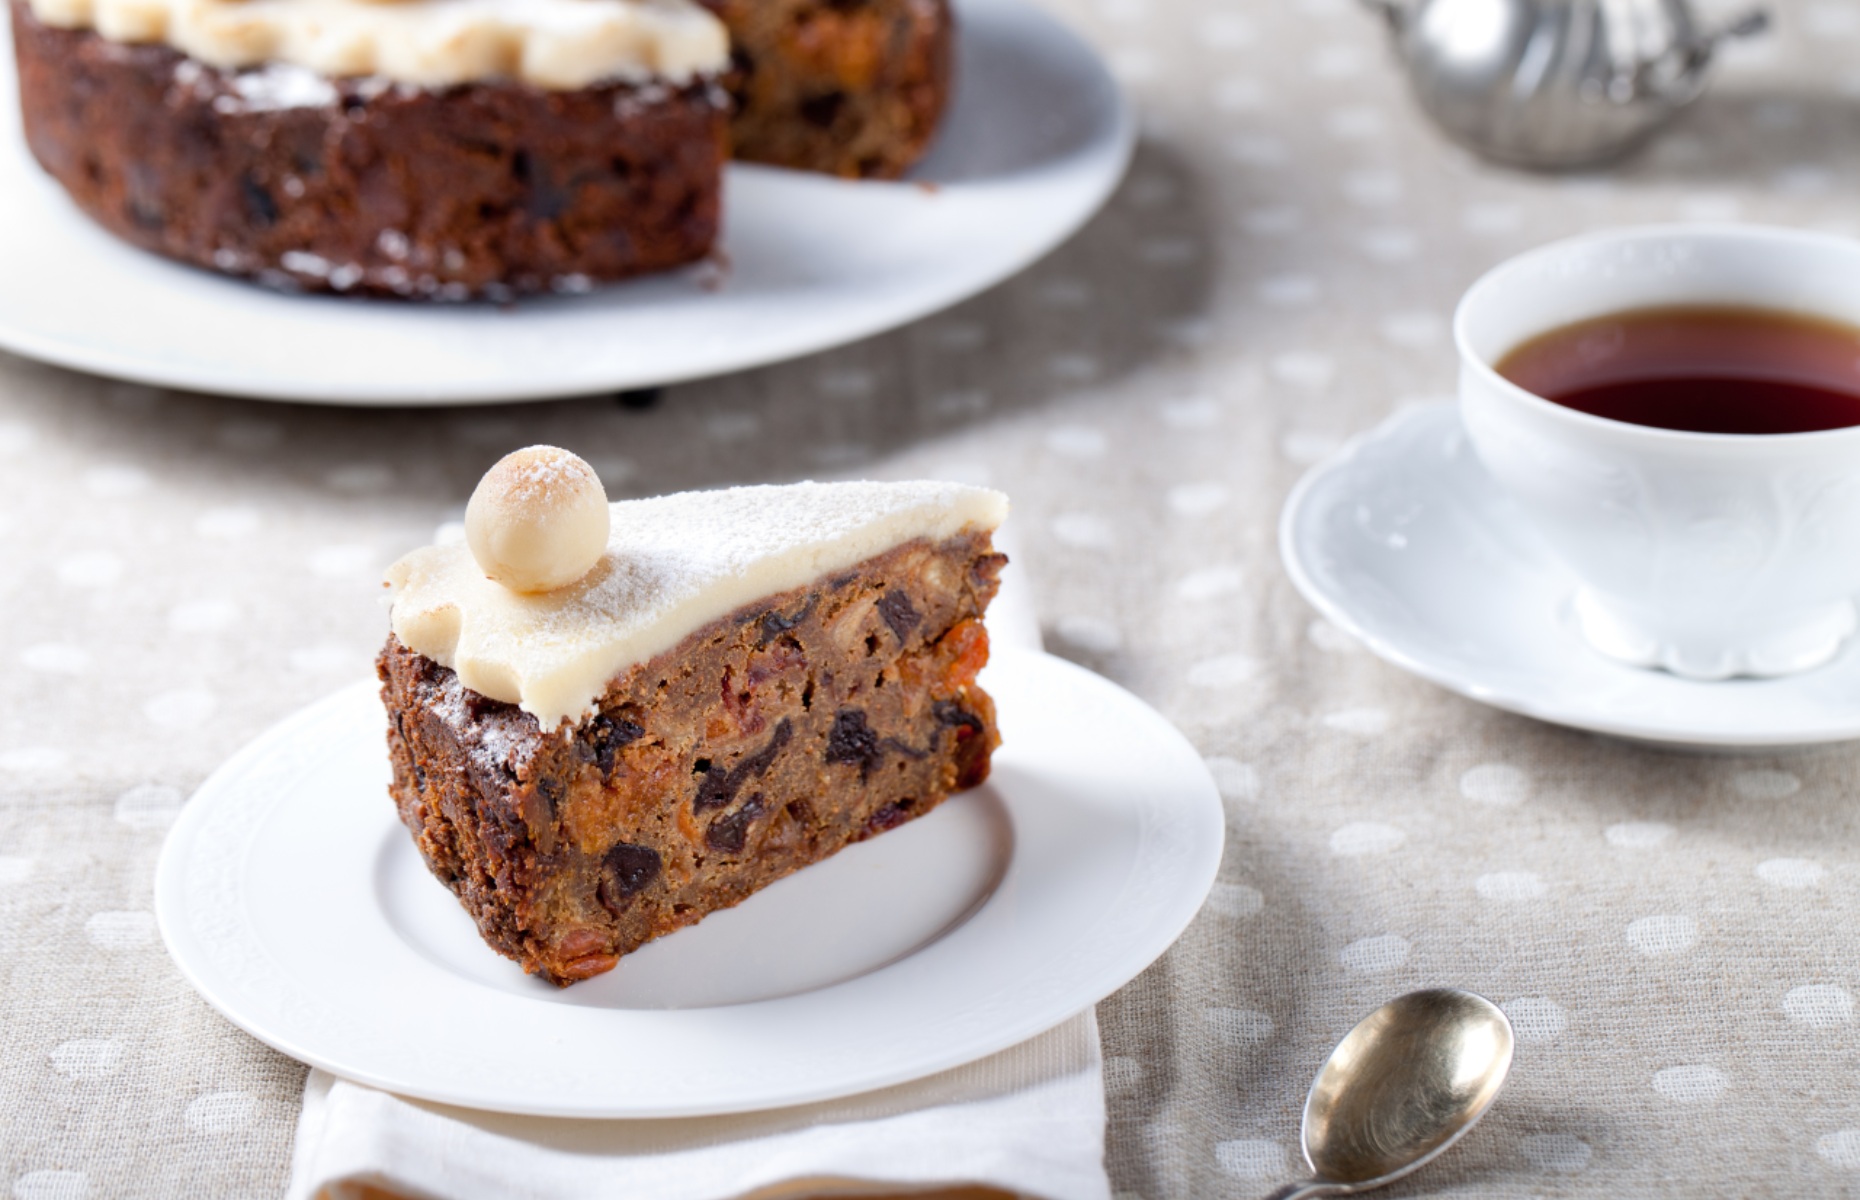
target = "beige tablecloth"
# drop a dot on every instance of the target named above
(1276, 274)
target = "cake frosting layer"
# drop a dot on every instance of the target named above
(555, 44)
(673, 564)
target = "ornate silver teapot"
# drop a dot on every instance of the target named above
(1554, 84)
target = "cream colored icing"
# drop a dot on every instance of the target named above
(673, 565)
(557, 44)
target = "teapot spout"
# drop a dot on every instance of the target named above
(1678, 78)
(1396, 14)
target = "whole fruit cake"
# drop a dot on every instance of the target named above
(849, 87)
(459, 149)
(427, 149)
(609, 721)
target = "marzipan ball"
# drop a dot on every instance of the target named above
(538, 520)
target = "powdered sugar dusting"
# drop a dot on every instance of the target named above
(544, 474)
(673, 564)
(279, 85)
(493, 742)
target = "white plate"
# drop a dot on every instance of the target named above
(1404, 540)
(1036, 139)
(293, 899)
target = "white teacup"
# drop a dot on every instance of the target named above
(1711, 555)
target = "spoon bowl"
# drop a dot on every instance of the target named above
(1405, 1084)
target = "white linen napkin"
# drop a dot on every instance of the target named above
(1028, 1121)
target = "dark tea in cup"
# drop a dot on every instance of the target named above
(1706, 555)
(1699, 369)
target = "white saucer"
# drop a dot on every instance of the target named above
(1404, 540)
(293, 899)
(1034, 143)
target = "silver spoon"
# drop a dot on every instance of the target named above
(1404, 1085)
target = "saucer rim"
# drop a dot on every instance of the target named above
(1291, 557)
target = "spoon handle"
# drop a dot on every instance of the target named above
(1308, 1189)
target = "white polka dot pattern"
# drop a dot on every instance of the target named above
(1840, 1149)
(1365, 837)
(1416, 330)
(1092, 634)
(149, 806)
(1083, 531)
(1791, 873)
(848, 382)
(1304, 446)
(1638, 835)
(1535, 1018)
(1490, 218)
(326, 658)
(1766, 785)
(96, 569)
(1209, 583)
(1239, 1026)
(1329, 638)
(1495, 784)
(85, 1059)
(203, 616)
(1561, 1153)
(1690, 1084)
(1236, 780)
(183, 708)
(1364, 722)
(1375, 955)
(228, 524)
(1670, 934)
(1251, 1158)
(1197, 499)
(116, 481)
(220, 1112)
(1077, 441)
(343, 561)
(56, 658)
(1819, 1005)
(1235, 900)
(1223, 671)
(1289, 291)
(1391, 246)
(120, 930)
(1305, 369)
(1662, 935)
(1511, 886)
(1191, 413)
(35, 760)
(1072, 368)
(52, 1185)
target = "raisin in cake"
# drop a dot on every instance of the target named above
(742, 683)
(849, 87)
(440, 149)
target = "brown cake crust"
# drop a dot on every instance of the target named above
(848, 87)
(483, 190)
(764, 742)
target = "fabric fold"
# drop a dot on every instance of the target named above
(1029, 1120)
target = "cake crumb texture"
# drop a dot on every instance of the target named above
(854, 88)
(763, 742)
